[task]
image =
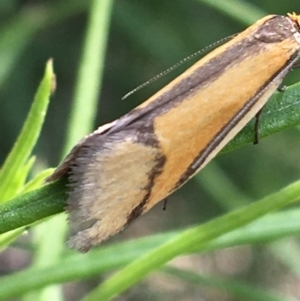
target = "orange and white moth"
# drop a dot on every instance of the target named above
(124, 168)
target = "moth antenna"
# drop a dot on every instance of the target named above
(175, 66)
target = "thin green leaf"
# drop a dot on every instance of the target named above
(25, 170)
(89, 78)
(111, 257)
(267, 229)
(38, 180)
(199, 236)
(28, 136)
(17, 182)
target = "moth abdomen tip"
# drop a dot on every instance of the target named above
(80, 242)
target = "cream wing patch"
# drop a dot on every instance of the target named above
(109, 179)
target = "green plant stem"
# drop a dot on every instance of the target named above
(90, 73)
(33, 206)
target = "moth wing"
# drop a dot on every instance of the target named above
(110, 182)
(63, 167)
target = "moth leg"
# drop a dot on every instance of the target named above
(281, 89)
(256, 127)
(296, 65)
(165, 201)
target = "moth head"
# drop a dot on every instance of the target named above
(294, 17)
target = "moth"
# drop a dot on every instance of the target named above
(124, 168)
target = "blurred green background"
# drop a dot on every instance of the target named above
(146, 37)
